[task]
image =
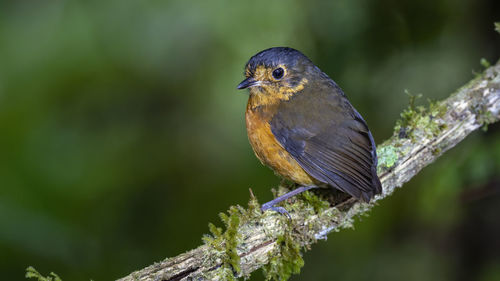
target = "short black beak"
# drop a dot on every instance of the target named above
(249, 82)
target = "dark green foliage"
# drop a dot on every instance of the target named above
(31, 272)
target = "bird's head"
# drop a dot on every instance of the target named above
(277, 73)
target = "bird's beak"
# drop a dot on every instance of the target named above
(249, 82)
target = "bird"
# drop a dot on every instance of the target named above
(301, 125)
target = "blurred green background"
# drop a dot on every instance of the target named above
(122, 133)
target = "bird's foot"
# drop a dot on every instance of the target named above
(270, 205)
(281, 210)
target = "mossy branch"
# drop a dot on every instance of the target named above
(270, 241)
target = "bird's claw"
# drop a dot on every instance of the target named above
(280, 210)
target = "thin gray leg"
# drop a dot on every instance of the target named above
(281, 210)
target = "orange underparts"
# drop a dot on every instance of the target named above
(268, 149)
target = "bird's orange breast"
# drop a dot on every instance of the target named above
(267, 148)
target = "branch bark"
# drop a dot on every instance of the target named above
(419, 138)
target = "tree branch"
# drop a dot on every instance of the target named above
(254, 240)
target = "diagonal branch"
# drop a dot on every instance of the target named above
(254, 240)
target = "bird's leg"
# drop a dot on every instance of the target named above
(281, 210)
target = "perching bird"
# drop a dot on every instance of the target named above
(301, 125)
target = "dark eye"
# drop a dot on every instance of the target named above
(278, 73)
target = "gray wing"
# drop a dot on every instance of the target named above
(330, 141)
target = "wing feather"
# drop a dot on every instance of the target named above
(330, 141)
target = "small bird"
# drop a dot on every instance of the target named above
(301, 125)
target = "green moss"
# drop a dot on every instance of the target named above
(215, 239)
(231, 237)
(484, 62)
(436, 108)
(484, 117)
(226, 241)
(31, 272)
(420, 121)
(387, 156)
(253, 210)
(227, 274)
(282, 264)
(288, 258)
(285, 263)
(417, 122)
(283, 188)
(315, 201)
(409, 113)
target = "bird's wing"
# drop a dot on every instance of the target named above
(330, 141)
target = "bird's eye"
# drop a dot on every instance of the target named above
(278, 73)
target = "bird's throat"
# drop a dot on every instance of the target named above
(269, 95)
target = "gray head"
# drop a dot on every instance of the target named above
(278, 67)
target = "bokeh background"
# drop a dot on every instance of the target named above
(122, 133)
